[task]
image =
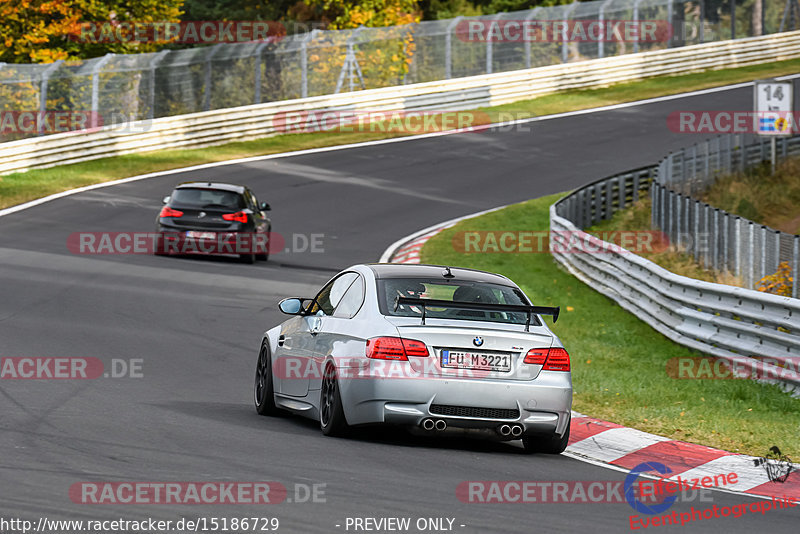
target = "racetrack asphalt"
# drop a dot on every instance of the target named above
(195, 324)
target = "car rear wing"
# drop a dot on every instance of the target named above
(520, 308)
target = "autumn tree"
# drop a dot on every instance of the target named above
(42, 31)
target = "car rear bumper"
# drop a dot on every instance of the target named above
(175, 241)
(541, 406)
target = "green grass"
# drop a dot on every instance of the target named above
(760, 196)
(618, 361)
(637, 219)
(21, 187)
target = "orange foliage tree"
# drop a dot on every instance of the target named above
(385, 53)
(42, 31)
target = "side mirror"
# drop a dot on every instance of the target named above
(291, 306)
(264, 206)
(165, 200)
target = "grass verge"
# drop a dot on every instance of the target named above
(17, 188)
(637, 219)
(759, 195)
(619, 362)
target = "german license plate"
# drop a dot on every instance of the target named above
(201, 235)
(480, 361)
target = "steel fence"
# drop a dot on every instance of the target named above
(124, 88)
(748, 329)
(716, 238)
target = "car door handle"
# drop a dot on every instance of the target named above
(316, 327)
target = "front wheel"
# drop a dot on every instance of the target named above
(548, 445)
(264, 392)
(331, 413)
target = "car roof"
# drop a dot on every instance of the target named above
(405, 270)
(212, 185)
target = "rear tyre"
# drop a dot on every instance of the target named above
(264, 394)
(159, 249)
(331, 413)
(548, 445)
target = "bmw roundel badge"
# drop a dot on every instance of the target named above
(478, 341)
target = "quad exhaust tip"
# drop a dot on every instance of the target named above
(510, 430)
(431, 424)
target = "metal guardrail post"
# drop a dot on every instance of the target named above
(696, 230)
(737, 256)
(207, 85)
(601, 18)
(96, 87)
(528, 41)
(564, 43)
(635, 21)
(45, 80)
(751, 248)
(796, 269)
(158, 58)
(304, 61)
(490, 45)
(763, 239)
(717, 236)
(448, 48)
(670, 17)
(701, 30)
(257, 72)
(726, 241)
(707, 235)
(777, 250)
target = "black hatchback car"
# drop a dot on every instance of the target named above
(214, 218)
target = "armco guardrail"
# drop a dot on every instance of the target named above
(716, 238)
(739, 325)
(248, 122)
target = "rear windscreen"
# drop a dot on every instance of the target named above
(458, 291)
(207, 198)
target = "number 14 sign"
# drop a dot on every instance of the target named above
(773, 108)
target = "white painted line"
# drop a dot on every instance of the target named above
(615, 443)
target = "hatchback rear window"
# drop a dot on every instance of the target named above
(207, 198)
(476, 292)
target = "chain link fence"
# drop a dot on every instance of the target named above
(121, 88)
(718, 239)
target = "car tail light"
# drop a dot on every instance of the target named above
(556, 359)
(395, 348)
(239, 216)
(166, 211)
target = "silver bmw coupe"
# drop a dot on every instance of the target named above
(433, 348)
